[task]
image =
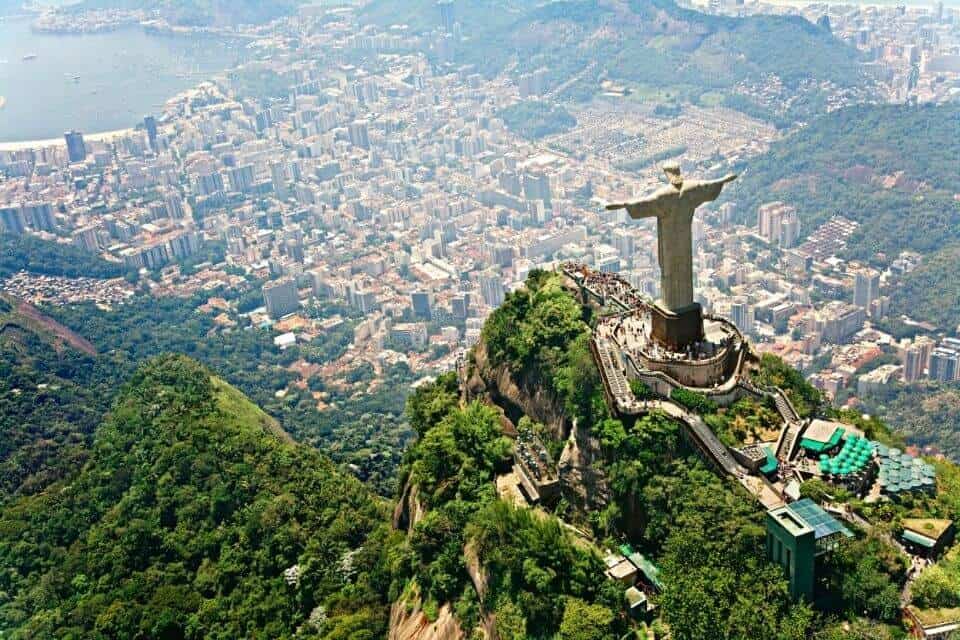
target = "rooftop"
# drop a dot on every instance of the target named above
(928, 527)
(822, 523)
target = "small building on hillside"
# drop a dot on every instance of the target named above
(932, 624)
(927, 537)
(797, 534)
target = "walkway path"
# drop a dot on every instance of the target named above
(625, 403)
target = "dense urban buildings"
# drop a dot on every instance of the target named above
(373, 175)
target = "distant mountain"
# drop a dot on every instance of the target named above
(195, 517)
(646, 42)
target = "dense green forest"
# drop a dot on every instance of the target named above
(365, 429)
(181, 515)
(931, 292)
(535, 120)
(838, 164)
(29, 253)
(192, 507)
(52, 401)
(927, 413)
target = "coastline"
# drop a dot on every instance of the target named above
(102, 136)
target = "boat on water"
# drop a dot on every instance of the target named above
(3, 102)
(29, 56)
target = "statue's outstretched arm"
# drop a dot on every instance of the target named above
(706, 191)
(643, 208)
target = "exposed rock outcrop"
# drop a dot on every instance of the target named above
(408, 622)
(409, 509)
(582, 484)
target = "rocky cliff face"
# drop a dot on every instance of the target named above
(408, 622)
(409, 509)
(582, 484)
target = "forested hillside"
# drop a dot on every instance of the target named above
(366, 429)
(52, 399)
(893, 168)
(194, 518)
(29, 253)
(544, 580)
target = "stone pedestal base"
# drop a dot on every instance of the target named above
(676, 330)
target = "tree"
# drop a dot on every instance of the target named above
(511, 625)
(583, 621)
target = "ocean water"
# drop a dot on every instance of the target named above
(121, 76)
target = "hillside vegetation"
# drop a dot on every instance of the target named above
(839, 162)
(893, 169)
(183, 524)
(52, 400)
(931, 292)
(704, 532)
(29, 253)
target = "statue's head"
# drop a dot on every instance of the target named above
(672, 169)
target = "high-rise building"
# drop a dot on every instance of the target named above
(491, 288)
(913, 364)
(460, 305)
(778, 223)
(741, 314)
(241, 178)
(359, 134)
(280, 297)
(944, 365)
(866, 287)
(533, 84)
(278, 177)
(207, 184)
(86, 238)
(625, 243)
(76, 149)
(447, 15)
(39, 216)
(11, 220)
(410, 334)
(364, 300)
(174, 207)
(536, 186)
(501, 255)
(150, 124)
(422, 304)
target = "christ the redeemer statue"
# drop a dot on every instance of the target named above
(677, 321)
(673, 207)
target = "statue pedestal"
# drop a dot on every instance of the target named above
(675, 330)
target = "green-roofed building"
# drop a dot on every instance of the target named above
(821, 436)
(796, 535)
(927, 537)
(649, 570)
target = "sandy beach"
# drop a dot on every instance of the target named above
(103, 136)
